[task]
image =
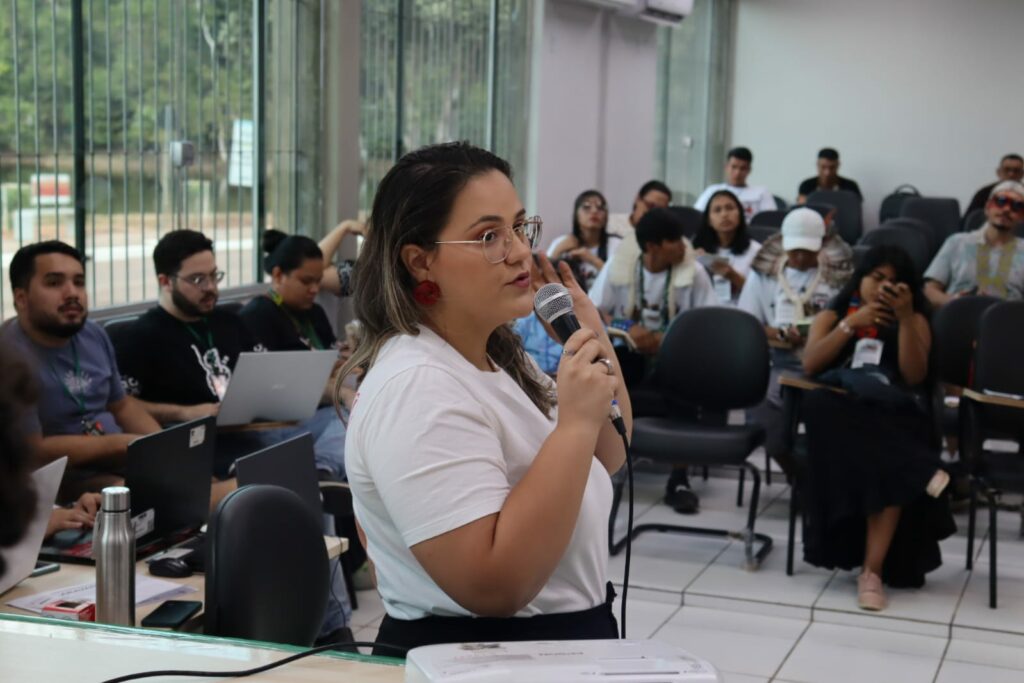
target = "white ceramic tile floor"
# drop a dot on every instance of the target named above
(763, 626)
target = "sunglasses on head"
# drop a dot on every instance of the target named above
(1002, 201)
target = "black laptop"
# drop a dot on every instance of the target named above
(169, 475)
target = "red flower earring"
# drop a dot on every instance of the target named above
(426, 293)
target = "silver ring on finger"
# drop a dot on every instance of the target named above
(567, 353)
(607, 364)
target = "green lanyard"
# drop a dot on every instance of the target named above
(77, 398)
(199, 340)
(304, 327)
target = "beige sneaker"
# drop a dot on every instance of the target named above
(870, 594)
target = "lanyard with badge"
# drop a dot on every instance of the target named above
(652, 318)
(89, 427)
(995, 284)
(791, 309)
(868, 349)
(305, 330)
(218, 375)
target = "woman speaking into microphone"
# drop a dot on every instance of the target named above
(483, 488)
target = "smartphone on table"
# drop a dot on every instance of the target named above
(172, 614)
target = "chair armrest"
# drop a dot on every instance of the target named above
(806, 384)
(331, 484)
(987, 399)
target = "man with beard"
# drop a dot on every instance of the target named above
(83, 411)
(989, 260)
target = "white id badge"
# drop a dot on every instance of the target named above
(651, 318)
(723, 289)
(867, 352)
(785, 313)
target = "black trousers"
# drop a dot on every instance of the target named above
(596, 623)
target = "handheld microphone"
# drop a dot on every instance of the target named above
(553, 304)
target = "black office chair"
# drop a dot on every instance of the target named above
(780, 203)
(690, 218)
(988, 415)
(911, 241)
(974, 220)
(711, 361)
(931, 236)
(954, 334)
(943, 213)
(859, 252)
(231, 306)
(771, 219)
(892, 203)
(118, 329)
(267, 573)
(762, 233)
(849, 221)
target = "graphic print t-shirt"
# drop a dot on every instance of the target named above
(165, 360)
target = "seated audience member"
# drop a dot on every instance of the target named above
(737, 167)
(653, 194)
(828, 177)
(337, 277)
(1011, 167)
(793, 277)
(724, 247)
(458, 460)
(83, 411)
(643, 287)
(876, 474)
(17, 495)
(180, 354)
(590, 244)
(989, 260)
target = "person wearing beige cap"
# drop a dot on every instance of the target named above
(793, 277)
(989, 260)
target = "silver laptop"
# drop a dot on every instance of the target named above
(280, 386)
(21, 558)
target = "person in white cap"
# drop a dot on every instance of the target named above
(989, 260)
(793, 278)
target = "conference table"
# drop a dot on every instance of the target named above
(34, 648)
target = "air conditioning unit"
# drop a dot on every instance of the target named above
(664, 12)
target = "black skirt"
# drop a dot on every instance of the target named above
(597, 623)
(863, 459)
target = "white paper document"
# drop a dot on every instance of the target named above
(146, 589)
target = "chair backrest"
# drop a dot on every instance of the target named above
(690, 217)
(780, 203)
(974, 220)
(943, 213)
(859, 252)
(267, 572)
(911, 241)
(770, 218)
(893, 203)
(231, 306)
(926, 229)
(954, 334)
(118, 328)
(761, 233)
(715, 358)
(849, 219)
(997, 365)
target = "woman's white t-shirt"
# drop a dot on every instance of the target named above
(433, 444)
(741, 264)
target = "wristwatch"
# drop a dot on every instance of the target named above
(845, 327)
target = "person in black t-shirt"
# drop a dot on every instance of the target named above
(828, 177)
(287, 317)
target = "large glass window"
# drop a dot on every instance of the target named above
(96, 97)
(439, 70)
(692, 92)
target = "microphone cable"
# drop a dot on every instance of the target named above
(620, 427)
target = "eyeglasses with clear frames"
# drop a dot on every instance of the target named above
(202, 280)
(496, 245)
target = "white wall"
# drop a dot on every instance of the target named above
(921, 91)
(595, 111)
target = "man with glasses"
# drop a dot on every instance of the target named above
(83, 411)
(1011, 167)
(988, 261)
